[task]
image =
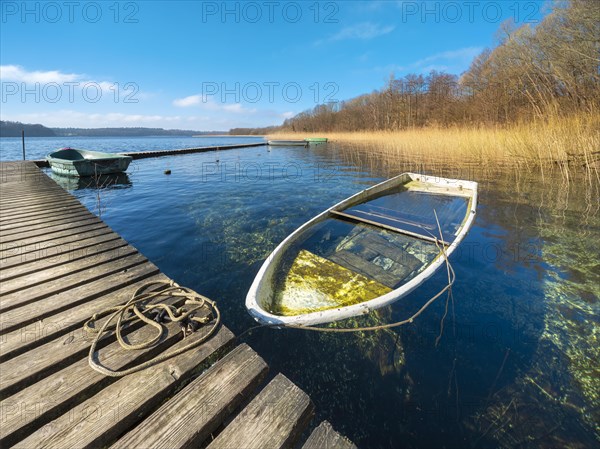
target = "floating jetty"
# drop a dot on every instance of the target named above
(60, 264)
(176, 152)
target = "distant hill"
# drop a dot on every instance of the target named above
(13, 129)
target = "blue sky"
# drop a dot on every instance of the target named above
(218, 65)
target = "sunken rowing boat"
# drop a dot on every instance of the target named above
(365, 252)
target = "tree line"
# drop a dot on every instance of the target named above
(533, 72)
(14, 129)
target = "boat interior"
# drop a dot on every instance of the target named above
(367, 250)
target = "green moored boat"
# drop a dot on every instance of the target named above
(72, 162)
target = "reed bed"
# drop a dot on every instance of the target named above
(568, 145)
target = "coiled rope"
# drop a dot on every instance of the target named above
(139, 308)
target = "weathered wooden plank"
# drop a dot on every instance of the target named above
(274, 419)
(17, 169)
(67, 217)
(188, 418)
(16, 165)
(29, 179)
(355, 218)
(59, 294)
(20, 254)
(37, 199)
(324, 437)
(22, 206)
(57, 393)
(64, 222)
(99, 420)
(68, 346)
(55, 228)
(74, 261)
(21, 246)
(29, 188)
(37, 195)
(36, 257)
(64, 202)
(41, 214)
(101, 296)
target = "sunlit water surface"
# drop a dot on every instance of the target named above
(515, 363)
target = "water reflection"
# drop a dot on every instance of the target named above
(516, 360)
(112, 181)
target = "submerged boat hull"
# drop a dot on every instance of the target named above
(81, 163)
(363, 253)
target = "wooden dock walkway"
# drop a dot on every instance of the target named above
(59, 264)
(175, 152)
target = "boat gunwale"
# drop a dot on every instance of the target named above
(105, 156)
(338, 313)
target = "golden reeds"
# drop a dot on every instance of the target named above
(569, 145)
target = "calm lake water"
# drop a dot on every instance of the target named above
(517, 361)
(11, 148)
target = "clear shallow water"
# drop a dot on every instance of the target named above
(517, 363)
(11, 148)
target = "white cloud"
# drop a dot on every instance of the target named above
(187, 101)
(208, 104)
(68, 83)
(461, 55)
(452, 61)
(237, 108)
(19, 74)
(360, 31)
(223, 120)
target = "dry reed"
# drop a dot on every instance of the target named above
(570, 145)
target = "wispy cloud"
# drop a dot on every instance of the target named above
(31, 78)
(361, 31)
(447, 61)
(185, 102)
(19, 74)
(208, 104)
(462, 55)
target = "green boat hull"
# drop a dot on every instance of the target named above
(80, 163)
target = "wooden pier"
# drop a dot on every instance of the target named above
(175, 152)
(59, 264)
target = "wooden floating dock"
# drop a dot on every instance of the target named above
(59, 265)
(177, 152)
